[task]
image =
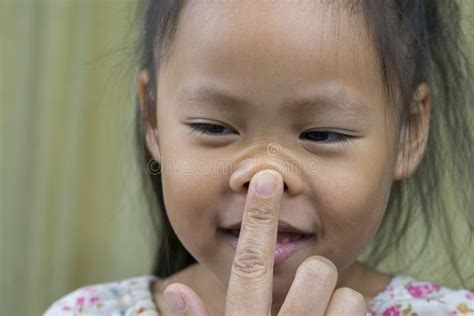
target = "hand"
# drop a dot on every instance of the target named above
(250, 285)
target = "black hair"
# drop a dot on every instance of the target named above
(417, 41)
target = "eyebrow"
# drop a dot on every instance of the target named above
(339, 101)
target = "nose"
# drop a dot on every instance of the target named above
(240, 180)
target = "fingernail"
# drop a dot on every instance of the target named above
(265, 184)
(175, 302)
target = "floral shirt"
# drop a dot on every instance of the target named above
(403, 296)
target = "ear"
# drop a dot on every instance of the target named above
(148, 109)
(414, 133)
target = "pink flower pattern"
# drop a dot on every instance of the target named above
(404, 296)
(392, 311)
(420, 290)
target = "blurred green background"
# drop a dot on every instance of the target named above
(71, 202)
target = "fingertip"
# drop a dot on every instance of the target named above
(346, 301)
(266, 183)
(193, 303)
(175, 300)
(325, 260)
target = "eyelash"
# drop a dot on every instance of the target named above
(341, 139)
(204, 129)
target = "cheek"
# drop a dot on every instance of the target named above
(191, 187)
(352, 198)
(188, 198)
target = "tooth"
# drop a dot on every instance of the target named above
(283, 237)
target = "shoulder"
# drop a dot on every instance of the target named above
(125, 297)
(406, 295)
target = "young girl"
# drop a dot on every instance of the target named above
(284, 136)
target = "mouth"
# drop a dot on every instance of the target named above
(283, 227)
(283, 237)
(287, 243)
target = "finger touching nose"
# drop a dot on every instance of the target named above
(240, 180)
(250, 284)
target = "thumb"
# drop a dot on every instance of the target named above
(183, 301)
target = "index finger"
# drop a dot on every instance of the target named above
(250, 285)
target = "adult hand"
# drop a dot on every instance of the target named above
(250, 285)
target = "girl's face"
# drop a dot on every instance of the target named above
(286, 81)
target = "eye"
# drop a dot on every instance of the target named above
(209, 129)
(327, 137)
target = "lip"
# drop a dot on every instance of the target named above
(283, 227)
(282, 250)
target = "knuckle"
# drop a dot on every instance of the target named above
(250, 264)
(314, 268)
(261, 213)
(351, 297)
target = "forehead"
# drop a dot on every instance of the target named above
(274, 49)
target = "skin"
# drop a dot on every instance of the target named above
(271, 53)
